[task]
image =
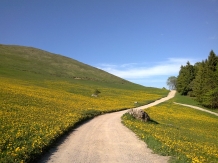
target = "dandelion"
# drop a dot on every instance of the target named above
(181, 130)
(34, 114)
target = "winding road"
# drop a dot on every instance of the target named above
(105, 139)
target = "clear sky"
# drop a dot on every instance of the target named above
(143, 41)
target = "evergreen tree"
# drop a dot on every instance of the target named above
(198, 82)
(205, 84)
(180, 80)
(201, 80)
(184, 79)
(211, 70)
(211, 85)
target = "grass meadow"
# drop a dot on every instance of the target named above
(186, 134)
(191, 101)
(45, 95)
(35, 113)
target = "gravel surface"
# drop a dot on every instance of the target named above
(105, 139)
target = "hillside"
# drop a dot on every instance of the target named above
(20, 60)
(44, 95)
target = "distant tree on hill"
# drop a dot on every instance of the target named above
(171, 82)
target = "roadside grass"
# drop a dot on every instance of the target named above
(186, 134)
(34, 113)
(190, 101)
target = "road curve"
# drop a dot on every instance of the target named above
(105, 139)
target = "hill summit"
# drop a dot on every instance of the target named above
(29, 61)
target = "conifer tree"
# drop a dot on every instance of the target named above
(201, 80)
(198, 82)
(184, 79)
(210, 85)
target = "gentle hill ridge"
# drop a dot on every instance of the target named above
(35, 61)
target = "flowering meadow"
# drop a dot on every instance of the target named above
(186, 134)
(34, 114)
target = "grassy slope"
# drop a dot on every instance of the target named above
(187, 134)
(190, 101)
(31, 64)
(31, 61)
(36, 66)
(42, 95)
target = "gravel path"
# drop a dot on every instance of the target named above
(198, 108)
(105, 139)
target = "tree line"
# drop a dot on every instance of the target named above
(199, 80)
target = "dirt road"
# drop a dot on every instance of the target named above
(198, 108)
(105, 139)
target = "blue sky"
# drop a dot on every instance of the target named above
(143, 41)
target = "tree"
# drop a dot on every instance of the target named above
(185, 78)
(199, 81)
(205, 84)
(171, 82)
(211, 70)
(210, 95)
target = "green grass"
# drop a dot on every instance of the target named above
(41, 99)
(29, 63)
(186, 134)
(190, 101)
(33, 65)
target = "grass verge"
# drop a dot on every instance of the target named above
(190, 101)
(186, 134)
